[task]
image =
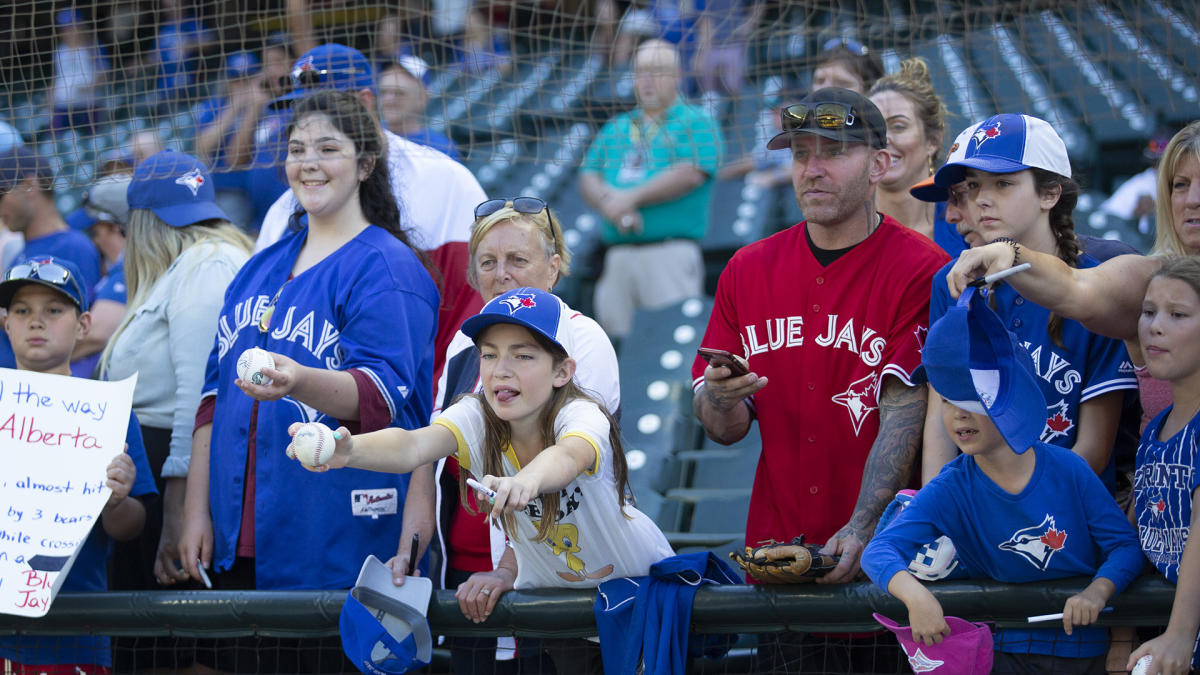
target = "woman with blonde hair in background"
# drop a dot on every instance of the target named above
(181, 252)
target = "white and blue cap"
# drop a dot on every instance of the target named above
(176, 187)
(329, 66)
(974, 362)
(383, 626)
(1006, 144)
(537, 310)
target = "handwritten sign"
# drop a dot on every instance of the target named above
(57, 437)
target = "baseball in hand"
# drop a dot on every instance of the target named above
(312, 444)
(251, 363)
(1142, 666)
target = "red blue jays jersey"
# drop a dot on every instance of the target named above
(1167, 475)
(1084, 367)
(825, 337)
(1063, 523)
(368, 306)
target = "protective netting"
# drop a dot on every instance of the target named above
(521, 87)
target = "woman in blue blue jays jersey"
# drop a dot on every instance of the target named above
(348, 310)
(1020, 191)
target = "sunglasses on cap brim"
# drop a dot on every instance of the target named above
(310, 78)
(51, 273)
(831, 116)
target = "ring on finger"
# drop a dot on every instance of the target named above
(486, 592)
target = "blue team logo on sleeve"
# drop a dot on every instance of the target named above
(1037, 544)
(1058, 422)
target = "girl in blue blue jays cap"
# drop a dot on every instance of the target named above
(1018, 510)
(1167, 481)
(549, 452)
(1019, 190)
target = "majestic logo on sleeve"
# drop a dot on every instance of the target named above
(518, 301)
(923, 664)
(191, 180)
(859, 399)
(1058, 424)
(1037, 544)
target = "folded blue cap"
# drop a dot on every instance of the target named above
(383, 626)
(974, 362)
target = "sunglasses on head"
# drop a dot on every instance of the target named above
(527, 205)
(49, 272)
(310, 78)
(825, 116)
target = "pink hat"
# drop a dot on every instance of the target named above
(966, 651)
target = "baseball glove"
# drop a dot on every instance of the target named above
(776, 562)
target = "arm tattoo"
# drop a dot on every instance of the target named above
(890, 464)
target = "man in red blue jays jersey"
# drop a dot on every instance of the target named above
(830, 315)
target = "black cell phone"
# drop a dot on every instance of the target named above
(720, 357)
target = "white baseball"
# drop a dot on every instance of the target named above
(251, 363)
(1142, 666)
(313, 444)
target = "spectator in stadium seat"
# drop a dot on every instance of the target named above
(650, 172)
(43, 298)
(916, 119)
(27, 207)
(846, 64)
(1134, 198)
(225, 127)
(514, 243)
(178, 46)
(348, 311)
(829, 316)
(402, 102)
(79, 70)
(436, 193)
(724, 29)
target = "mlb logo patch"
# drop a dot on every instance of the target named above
(374, 503)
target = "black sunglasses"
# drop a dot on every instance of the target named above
(825, 116)
(310, 78)
(527, 205)
(51, 273)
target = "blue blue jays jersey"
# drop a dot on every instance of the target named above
(1063, 523)
(1086, 366)
(368, 306)
(1167, 475)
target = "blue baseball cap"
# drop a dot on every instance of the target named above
(1006, 144)
(57, 273)
(18, 163)
(383, 626)
(176, 187)
(537, 310)
(241, 64)
(974, 362)
(330, 66)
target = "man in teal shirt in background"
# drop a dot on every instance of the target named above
(650, 174)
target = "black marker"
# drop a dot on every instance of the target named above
(412, 554)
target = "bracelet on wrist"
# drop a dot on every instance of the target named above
(1016, 248)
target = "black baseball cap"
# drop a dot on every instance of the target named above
(860, 121)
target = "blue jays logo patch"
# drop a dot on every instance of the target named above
(1058, 424)
(305, 63)
(983, 134)
(1037, 544)
(518, 301)
(923, 664)
(858, 399)
(192, 180)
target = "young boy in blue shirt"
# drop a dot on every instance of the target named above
(47, 313)
(1018, 510)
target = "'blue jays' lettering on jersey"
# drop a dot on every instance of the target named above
(1168, 473)
(369, 306)
(1063, 523)
(1086, 366)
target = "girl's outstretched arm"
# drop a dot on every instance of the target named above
(388, 450)
(1171, 652)
(924, 611)
(550, 471)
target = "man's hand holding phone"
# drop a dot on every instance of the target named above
(727, 379)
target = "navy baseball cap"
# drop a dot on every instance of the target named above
(1006, 144)
(330, 66)
(383, 626)
(57, 273)
(537, 310)
(17, 164)
(834, 113)
(176, 187)
(974, 362)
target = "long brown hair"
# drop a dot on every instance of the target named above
(496, 439)
(1062, 224)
